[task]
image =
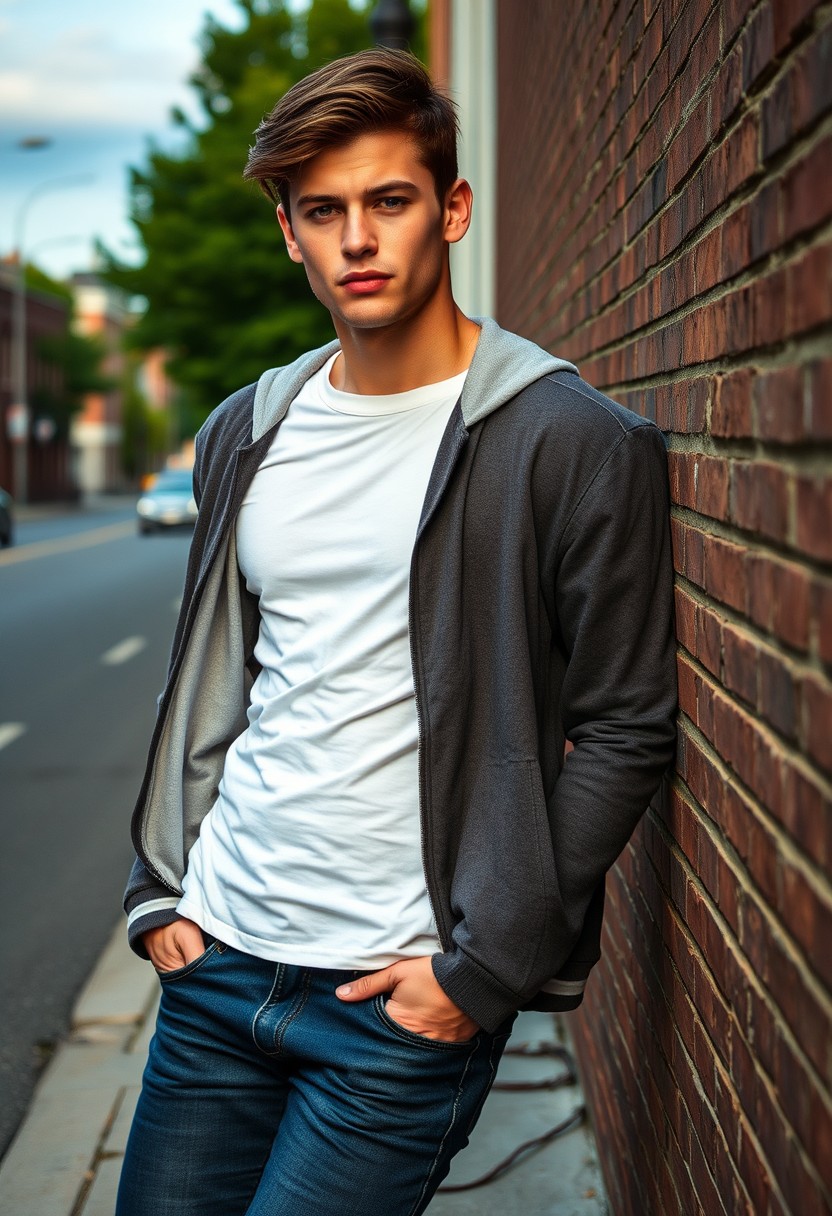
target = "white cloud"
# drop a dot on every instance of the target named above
(85, 74)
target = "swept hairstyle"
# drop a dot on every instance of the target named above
(373, 90)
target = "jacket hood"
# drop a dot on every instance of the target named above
(503, 365)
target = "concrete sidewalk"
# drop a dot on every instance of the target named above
(66, 1157)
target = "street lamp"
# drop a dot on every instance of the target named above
(392, 24)
(19, 420)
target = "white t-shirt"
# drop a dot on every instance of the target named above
(312, 853)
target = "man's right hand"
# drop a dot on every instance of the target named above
(174, 946)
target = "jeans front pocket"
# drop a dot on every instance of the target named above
(420, 1040)
(180, 973)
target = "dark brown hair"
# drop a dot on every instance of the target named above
(374, 90)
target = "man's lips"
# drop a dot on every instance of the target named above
(362, 283)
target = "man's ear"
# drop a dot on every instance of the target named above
(288, 236)
(458, 207)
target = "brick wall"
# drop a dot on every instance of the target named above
(665, 220)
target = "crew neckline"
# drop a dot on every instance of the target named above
(376, 405)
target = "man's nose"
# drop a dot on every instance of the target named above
(358, 237)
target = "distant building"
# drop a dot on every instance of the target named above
(101, 311)
(48, 456)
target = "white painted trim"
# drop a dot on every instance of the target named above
(152, 905)
(473, 86)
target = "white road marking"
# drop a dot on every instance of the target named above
(65, 544)
(9, 731)
(122, 652)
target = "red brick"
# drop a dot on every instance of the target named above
(768, 300)
(753, 1170)
(778, 693)
(736, 243)
(790, 603)
(759, 606)
(778, 405)
(820, 406)
(787, 16)
(685, 620)
(820, 1136)
(814, 513)
(822, 609)
(694, 567)
(817, 720)
(735, 12)
(731, 410)
(769, 781)
(681, 470)
(809, 288)
(707, 261)
(807, 191)
(740, 657)
(812, 79)
(734, 738)
(760, 498)
(686, 677)
(808, 814)
(711, 486)
(726, 91)
(709, 639)
(766, 223)
(757, 47)
(797, 906)
(777, 125)
(724, 571)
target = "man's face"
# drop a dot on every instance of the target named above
(368, 227)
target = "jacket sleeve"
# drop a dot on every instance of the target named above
(614, 603)
(148, 905)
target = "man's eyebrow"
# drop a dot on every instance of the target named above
(374, 191)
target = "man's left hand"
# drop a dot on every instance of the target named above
(418, 1002)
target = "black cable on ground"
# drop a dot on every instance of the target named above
(568, 1077)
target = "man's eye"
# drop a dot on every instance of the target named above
(321, 213)
(393, 203)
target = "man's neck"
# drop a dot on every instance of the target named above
(395, 359)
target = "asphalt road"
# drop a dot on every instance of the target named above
(87, 610)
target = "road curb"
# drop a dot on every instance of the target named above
(65, 1157)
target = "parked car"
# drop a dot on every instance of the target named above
(168, 503)
(6, 518)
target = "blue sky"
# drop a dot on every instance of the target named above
(98, 77)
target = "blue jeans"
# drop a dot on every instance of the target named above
(264, 1095)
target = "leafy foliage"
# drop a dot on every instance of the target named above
(79, 357)
(222, 295)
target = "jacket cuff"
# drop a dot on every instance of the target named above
(150, 914)
(474, 990)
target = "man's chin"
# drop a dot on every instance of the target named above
(375, 316)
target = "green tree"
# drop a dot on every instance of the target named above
(145, 430)
(222, 296)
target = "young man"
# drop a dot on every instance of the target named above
(426, 555)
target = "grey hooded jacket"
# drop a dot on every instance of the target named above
(540, 612)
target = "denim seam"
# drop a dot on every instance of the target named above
(280, 1033)
(271, 999)
(491, 1074)
(448, 1131)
